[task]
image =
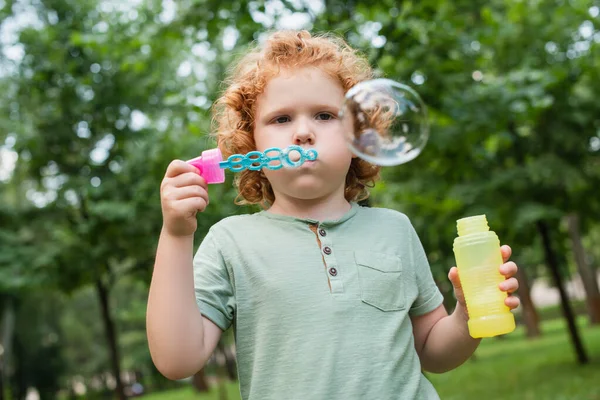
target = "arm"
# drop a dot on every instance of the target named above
(180, 339)
(442, 341)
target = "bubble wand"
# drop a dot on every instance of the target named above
(212, 167)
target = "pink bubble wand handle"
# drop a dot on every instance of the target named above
(209, 166)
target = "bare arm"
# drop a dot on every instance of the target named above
(442, 341)
(180, 339)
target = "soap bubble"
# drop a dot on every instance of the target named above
(389, 119)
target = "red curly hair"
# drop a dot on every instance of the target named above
(234, 111)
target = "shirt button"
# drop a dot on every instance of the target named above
(327, 250)
(322, 232)
(332, 271)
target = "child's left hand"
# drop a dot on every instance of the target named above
(510, 285)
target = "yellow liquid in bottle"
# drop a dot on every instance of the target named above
(478, 258)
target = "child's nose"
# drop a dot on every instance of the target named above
(303, 134)
(303, 138)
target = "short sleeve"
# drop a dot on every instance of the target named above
(429, 296)
(212, 283)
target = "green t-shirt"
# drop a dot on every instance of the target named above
(320, 310)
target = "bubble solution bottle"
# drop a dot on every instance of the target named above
(478, 258)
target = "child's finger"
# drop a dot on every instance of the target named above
(510, 285)
(506, 252)
(512, 302)
(178, 167)
(509, 269)
(188, 179)
(454, 279)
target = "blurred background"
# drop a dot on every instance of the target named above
(98, 96)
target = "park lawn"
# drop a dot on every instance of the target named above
(188, 393)
(517, 368)
(509, 368)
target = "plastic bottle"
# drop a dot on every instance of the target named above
(478, 258)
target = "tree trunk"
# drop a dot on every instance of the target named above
(552, 264)
(531, 318)
(199, 381)
(8, 326)
(587, 274)
(229, 362)
(19, 384)
(111, 337)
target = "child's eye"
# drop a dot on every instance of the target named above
(324, 116)
(281, 120)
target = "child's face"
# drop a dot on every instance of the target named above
(301, 107)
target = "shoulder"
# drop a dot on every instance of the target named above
(235, 223)
(385, 216)
(233, 220)
(227, 235)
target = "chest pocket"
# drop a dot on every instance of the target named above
(380, 280)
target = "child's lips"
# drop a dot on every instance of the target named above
(308, 163)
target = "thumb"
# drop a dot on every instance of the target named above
(454, 278)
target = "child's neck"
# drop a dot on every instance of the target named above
(321, 209)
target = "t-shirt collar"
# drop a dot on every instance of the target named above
(354, 207)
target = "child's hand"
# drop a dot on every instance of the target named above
(183, 193)
(510, 285)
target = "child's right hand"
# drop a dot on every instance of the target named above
(183, 193)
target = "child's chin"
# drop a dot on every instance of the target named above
(307, 188)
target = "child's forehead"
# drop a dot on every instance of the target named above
(302, 86)
(300, 79)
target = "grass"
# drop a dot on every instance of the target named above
(188, 393)
(516, 368)
(508, 368)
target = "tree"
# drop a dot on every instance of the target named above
(587, 274)
(97, 111)
(78, 90)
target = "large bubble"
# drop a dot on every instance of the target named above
(389, 119)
